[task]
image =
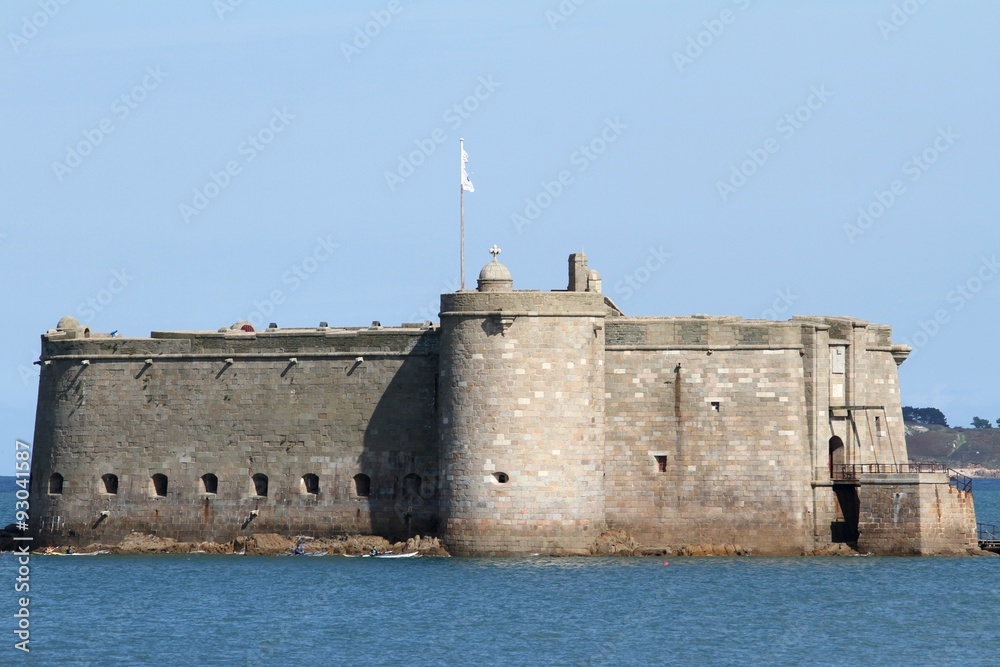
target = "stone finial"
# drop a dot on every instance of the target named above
(495, 277)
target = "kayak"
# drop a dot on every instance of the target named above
(308, 553)
(57, 553)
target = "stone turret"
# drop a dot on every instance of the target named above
(522, 419)
(495, 277)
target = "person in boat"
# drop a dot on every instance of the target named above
(301, 549)
(69, 551)
(374, 551)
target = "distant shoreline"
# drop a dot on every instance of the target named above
(977, 472)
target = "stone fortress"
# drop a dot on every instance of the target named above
(525, 422)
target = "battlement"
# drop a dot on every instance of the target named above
(322, 342)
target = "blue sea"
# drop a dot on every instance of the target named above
(232, 610)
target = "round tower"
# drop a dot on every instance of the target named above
(522, 418)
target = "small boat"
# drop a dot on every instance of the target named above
(307, 553)
(76, 553)
(387, 554)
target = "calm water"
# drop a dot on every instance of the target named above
(230, 610)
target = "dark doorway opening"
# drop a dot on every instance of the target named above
(160, 484)
(838, 456)
(209, 483)
(110, 483)
(55, 483)
(310, 483)
(362, 485)
(260, 484)
(845, 527)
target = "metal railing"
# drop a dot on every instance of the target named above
(987, 532)
(853, 471)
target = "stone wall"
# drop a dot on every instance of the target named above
(522, 423)
(915, 514)
(708, 443)
(529, 422)
(188, 412)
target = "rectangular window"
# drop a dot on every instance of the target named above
(715, 406)
(661, 462)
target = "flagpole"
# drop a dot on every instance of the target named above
(461, 209)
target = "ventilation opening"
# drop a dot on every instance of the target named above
(260, 484)
(661, 462)
(110, 483)
(160, 484)
(310, 483)
(715, 406)
(411, 485)
(501, 477)
(362, 485)
(209, 483)
(55, 483)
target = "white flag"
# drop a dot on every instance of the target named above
(466, 183)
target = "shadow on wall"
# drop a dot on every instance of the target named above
(399, 464)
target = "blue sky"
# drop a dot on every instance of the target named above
(188, 164)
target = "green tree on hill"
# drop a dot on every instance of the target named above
(980, 423)
(928, 416)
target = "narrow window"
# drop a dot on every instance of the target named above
(411, 485)
(310, 483)
(661, 462)
(160, 484)
(362, 485)
(209, 483)
(110, 483)
(715, 406)
(501, 477)
(260, 484)
(55, 483)
(878, 426)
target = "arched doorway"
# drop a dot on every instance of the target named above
(838, 455)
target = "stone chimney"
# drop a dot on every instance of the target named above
(577, 272)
